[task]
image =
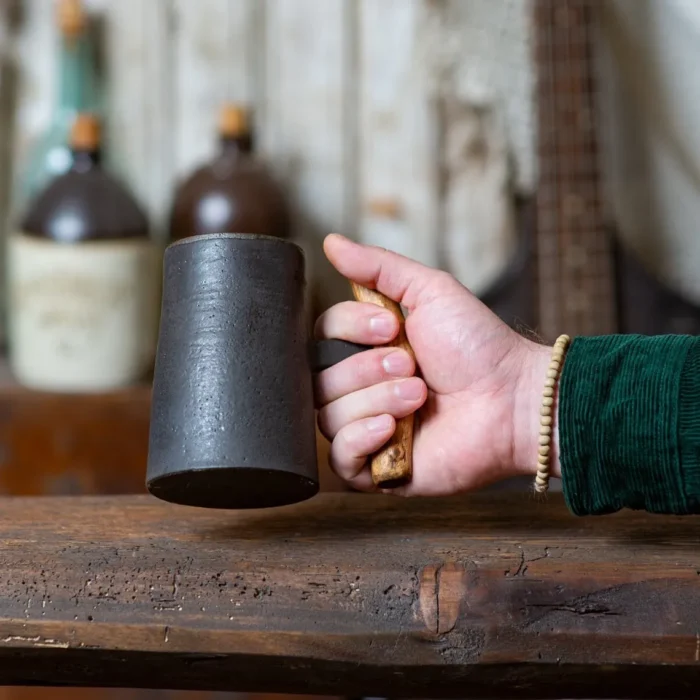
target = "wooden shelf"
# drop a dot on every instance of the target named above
(72, 443)
(60, 444)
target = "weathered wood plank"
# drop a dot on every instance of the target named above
(215, 54)
(481, 53)
(651, 163)
(398, 157)
(446, 109)
(475, 56)
(485, 596)
(140, 111)
(307, 123)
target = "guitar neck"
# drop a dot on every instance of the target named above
(575, 272)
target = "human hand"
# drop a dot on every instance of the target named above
(479, 391)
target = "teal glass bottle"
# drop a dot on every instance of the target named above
(77, 92)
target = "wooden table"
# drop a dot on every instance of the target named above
(487, 596)
(80, 444)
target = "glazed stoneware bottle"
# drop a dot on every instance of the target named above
(233, 193)
(78, 92)
(83, 280)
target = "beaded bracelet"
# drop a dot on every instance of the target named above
(546, 417)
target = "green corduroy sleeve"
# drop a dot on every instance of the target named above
(629, 424)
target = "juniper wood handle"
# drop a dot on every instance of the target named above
(392, 465)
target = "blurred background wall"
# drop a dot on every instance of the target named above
(436, 128)
(406, 123)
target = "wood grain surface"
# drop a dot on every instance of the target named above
(486, 596)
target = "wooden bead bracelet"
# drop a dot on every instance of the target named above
(546, 413)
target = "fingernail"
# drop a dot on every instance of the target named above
(382, 325)
(397, 364)
(378, 424)
(409, 390)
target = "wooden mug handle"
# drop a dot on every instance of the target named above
(392, 465)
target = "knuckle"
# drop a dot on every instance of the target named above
(335, 464)
(370, 367)
(322, 386)
(320, 324)
(331, 319)
(328, 320)
(366, 368)
(347, 441)
(340, 458)
(324, 423)
(341, 468)
(445, 277)
(444, 282)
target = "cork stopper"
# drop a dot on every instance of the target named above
(72, 19)
(385, 208)
(85, 134)
(234, 121)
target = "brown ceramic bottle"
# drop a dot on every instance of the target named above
(234, 193)
(83, 280)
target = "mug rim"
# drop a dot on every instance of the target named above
(238, 236)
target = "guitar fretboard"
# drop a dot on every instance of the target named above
(575, 277)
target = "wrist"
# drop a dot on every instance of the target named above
(527, 403)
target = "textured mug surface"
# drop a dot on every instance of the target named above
(232, 414)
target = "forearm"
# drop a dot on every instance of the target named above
(627, 423)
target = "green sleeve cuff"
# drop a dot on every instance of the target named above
(629, 424)
(689, 427)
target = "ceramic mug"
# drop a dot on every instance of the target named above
(232, 412)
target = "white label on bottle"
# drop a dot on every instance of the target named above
(82, 317)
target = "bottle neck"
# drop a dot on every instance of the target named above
(84, 161)
(236, 146)
(76, 92)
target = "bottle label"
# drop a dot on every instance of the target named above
(82, 317)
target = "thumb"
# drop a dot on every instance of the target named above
(404, 280)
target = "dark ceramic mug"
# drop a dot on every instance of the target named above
(232, 413)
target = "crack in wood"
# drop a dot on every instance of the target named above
(580, 609)
(524, 563)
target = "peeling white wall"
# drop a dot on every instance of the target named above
(650, 52)
(407, 123)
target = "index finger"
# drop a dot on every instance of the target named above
(357, 322)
